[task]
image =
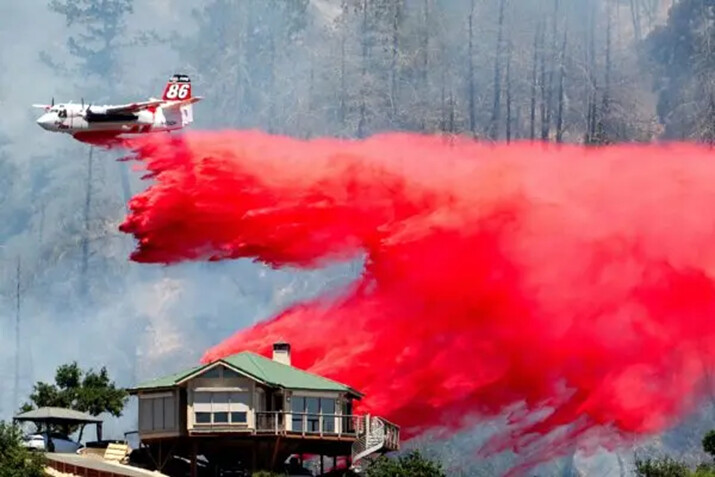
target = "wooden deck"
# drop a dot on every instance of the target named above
(330, 427)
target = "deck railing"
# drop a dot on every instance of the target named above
(304, 423)
(311, 425)
(392, 434)
(308, 423)
(270, 421)
(380, 436)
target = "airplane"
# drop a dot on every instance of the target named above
(102, 125)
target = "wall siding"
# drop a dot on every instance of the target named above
(222, 385)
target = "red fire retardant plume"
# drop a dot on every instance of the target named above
(498, 279)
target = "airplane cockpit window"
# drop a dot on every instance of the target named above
(62, 113)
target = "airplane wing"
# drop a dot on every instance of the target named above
(132, 107)
(42, 106)
(135, 107)
(182, 102)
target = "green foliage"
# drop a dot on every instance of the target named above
(412, 464)
(15, 460)
(101, 36)
(86, 391)
(260, 34)
(665, 467)
(709, 443)
(681, 54)
(104, 24)
(704, 470)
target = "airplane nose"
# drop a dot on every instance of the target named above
(45, 121)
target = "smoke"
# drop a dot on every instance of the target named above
(562, 285)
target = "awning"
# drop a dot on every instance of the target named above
(57, 415)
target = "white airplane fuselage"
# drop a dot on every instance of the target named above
(70, 118)
(101, 123)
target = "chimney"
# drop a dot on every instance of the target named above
(281, 352)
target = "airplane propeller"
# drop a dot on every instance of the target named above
(45, 106)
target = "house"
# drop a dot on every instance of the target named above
(258, 411)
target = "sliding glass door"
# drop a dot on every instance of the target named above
(307, 412)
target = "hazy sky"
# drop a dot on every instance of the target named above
(168, 315)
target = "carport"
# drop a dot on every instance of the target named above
(60, 417)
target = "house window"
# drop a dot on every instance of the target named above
(145, 414)
(229, 373)
(213, 373)
(157, 412)
(348, 424)
(327, 408)
(220, 372)
(221, 407)
(203, 418)
(307, 412)
(239, 417)
(297, 408)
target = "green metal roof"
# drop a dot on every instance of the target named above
(261, 369)
(168, 381)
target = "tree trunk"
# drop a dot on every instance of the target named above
(425, 41)
(592, 87)
(124, 179)
(396, 15)
(452, 126)
(41, 231)
(443, 102)
(552, 69)
(534, 83)
(496, 106)
(508, 94)
(311, 91)
(425, 61)
(362, 120)
(271, 84)
(85, 238)
(16, 387)
(543, 106)
(472, 85)
(343, 93)
(562, 74)
(607, 80)
(18, 340)
(636, 18)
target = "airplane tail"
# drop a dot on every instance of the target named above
(178, 93)
(178, 88)
(179, 114)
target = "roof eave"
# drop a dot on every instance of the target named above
(346, 390)
(54, 414)
(190, 376)
(226, 364)
(69, 421)
(135, 391)
(357, 395)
